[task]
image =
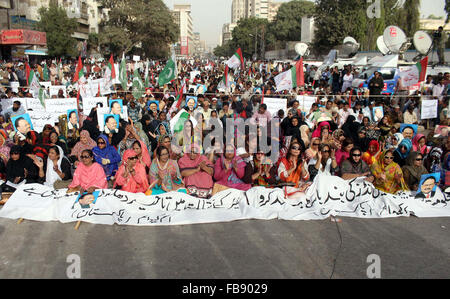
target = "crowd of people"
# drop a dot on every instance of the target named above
(339, 135)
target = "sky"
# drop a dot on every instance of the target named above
(209, 16)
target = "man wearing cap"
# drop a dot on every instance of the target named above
(396, 114)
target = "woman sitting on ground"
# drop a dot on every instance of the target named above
(325, 162)
(413, 170)
(107, 156)
(260, 171)
(58, 173)
(388, 174)
(293, 170)
(89, 175)
(164, 174)
(229, 170)
(197, 172)
(131, 176)
(355, 167)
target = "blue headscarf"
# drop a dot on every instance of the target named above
(110, 153)
(408, 144)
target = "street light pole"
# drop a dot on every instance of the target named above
(256, 43)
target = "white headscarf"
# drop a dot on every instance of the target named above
(51, 176)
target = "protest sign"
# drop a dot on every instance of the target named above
(429, 109)
(14, 86)
(54, 90)
(41, 118)
(91, 102)
(306, 102)
(60, 106)
(327, 196)
(34, 104)
(276, 104)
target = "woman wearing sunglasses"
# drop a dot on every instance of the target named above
(388, 174)
(131, 176)
(89, 175)
(413, 170)
(107, 156)
(326, 162)
(354, 167)
(293, 170)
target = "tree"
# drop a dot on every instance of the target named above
(287, 25)
(408, 17)
(138, 23)
(59, 29)
(225, 50)
(252, 34)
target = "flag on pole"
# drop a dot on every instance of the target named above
(224, 83)
(168, 73)
(79, 73)
(413, 74)
(236, 60)
(27, 72)
(110, 74)
(42, 96)
(33, 83)
(123, 73)
(147, 80)
(138, 85)
(291, 78)
(177, 122)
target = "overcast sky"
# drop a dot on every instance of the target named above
(209, 15)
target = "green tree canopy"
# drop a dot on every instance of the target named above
(138, 23)
(59, 29)
(287, 25)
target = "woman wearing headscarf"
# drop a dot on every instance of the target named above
(413, 170)
(402, 151)
(394, 140)
(86, 142)
(164, 174)
(385, 125)
(230, 169)
(293, 128)
(143, 137)
(130, 137)
(374, 149)
(142, 153)
(89, 175)
(319, 128)
(131, 176)
(54, 139)
(58, 168)
(18, 168)
(197, 172)
(432, 163)
(419, 143)
(107, 156)
(388, 174)
(350, 127)
(344, 152)
(362, 141)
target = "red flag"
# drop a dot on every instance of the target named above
(27, 70)
(350, 98)
(78, 69)
(98, 92)
(300, 76)
(113, 69)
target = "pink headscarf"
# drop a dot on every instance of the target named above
(318, 130)
(80, 147)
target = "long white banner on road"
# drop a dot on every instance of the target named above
(328, 195)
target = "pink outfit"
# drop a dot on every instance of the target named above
(135, 184)
(229, 177)
(92, 176)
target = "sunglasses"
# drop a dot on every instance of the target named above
(326, 151)
(316, 144)
(295, 147)
(419, 159)
(390, 158)
(356, 155)
(101, 142)
(132, 158)
(85, 157)
(15, 153)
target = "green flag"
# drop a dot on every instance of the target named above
(123, 73)
(168, 73)
(138, 85)
(42, 96)
(46, 73)
(147, 80)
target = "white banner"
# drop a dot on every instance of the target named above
(328, 196)
(34, 104)
(306, 102)
(60, 106)
(41, 118)
(275, 104)
(429, 109)
(53, 90)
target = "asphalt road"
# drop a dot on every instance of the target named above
(250, 249)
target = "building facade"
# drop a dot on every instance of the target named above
(182, 17)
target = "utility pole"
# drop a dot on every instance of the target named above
(256, 43)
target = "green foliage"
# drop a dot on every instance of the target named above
(59, 29)
(225, 50)
(287, 25)
(133, 23)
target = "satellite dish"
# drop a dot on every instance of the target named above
(350, 40)
(301, 48)
(382, 46)
(394, 38)
(422, 42)
(350, 47)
